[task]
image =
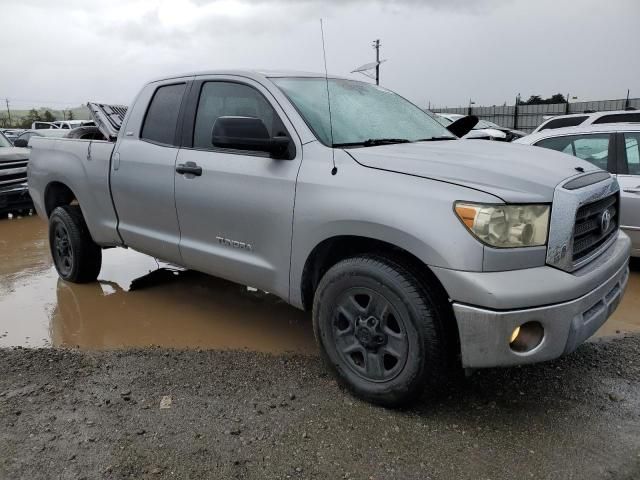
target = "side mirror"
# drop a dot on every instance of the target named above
(247, 133)
(21, 143)
(463, 125)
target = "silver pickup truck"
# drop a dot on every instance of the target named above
(415, 251)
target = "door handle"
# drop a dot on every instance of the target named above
(632, 190)
(189, 167)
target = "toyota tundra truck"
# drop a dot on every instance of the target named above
(415, 252)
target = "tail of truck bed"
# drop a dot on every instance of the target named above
(108, 118)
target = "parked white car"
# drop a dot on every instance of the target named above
(62, 124)
(612, 147)
(584, 119)
(71, 124)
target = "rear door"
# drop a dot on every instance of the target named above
(143, 170)
(236, 217)
(629, 179)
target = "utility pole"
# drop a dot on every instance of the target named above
(376, 45)
(8, 110)
(626, 103)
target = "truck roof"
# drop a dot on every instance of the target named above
(255, 74)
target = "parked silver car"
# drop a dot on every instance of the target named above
(611, 147)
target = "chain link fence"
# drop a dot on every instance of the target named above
(528, 117)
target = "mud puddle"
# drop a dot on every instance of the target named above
(139, 302)
(136, 302)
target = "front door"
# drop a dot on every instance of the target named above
(236, 214)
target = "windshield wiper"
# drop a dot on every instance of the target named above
(435, 139)
(372, 142)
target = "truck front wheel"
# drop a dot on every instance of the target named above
(379, 329)
(76, 256)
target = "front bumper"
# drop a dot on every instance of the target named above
(15, 198)
(485, 332)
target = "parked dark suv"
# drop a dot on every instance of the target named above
(14, 193)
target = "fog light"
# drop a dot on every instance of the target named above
(526, 337)
(515, 334)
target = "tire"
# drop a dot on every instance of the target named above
(76, 256)
(391, 359)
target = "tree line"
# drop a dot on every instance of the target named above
(32, 116)
(538, 100)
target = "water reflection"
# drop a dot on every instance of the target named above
(136, 302)
(178, 309)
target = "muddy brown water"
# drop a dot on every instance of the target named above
(138, 302)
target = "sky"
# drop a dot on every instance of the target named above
(440, 52)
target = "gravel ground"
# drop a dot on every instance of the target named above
(73, 414)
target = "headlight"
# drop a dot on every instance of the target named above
(506, 226)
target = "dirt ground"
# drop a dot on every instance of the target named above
(156, 372)
(74, 414)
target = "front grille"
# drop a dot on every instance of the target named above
(588, 232)
(13, 173)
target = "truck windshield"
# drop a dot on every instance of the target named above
(361, 113)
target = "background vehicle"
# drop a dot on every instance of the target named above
(71, 124)
(43, 125)
(484, 129)
(14, 193)
(584, 119)
(11, 133)
(23, 139)
(63, 124)
(415, 252)
(611, 147)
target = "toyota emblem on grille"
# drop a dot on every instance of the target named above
(605, 221)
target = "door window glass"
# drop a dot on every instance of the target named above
(162, 115)
(221, 99)
(564, 122)
(619, 118)
(592, 148)
(633, 152)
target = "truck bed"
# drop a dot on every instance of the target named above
(83, 166)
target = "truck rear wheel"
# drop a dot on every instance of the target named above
(76, 256)
(379, 330)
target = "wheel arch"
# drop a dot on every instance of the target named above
(57, 194)
(332, 250)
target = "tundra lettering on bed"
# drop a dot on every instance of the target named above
(416, 252)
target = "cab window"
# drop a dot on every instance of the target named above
(162, 116)
(221, 99)
(592, 148)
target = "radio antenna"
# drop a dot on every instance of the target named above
(334, 170)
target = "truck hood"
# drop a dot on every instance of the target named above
(11, 154)
(515, 173)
